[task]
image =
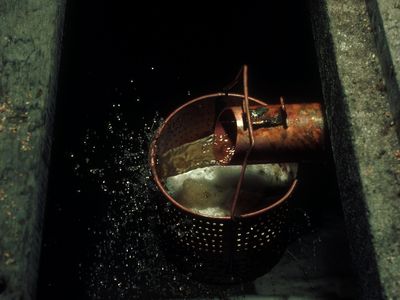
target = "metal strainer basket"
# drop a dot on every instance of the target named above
(216, 249)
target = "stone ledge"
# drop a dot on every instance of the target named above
(364, 142)
(385, 23)
(30, 39)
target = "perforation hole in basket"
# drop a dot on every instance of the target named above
(203, 236)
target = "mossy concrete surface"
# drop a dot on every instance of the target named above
(364, 141)
(30, 33)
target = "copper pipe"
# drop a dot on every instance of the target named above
(282, 133)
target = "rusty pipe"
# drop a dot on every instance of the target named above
(282, 133)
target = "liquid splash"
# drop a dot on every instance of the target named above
(125, 260)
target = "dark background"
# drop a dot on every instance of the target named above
(116, 52)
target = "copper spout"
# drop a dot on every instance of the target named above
(282, 133)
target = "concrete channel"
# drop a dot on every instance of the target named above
(358, 52)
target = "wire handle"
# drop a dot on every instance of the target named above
(251, 141)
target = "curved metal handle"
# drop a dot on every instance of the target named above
(251, 140)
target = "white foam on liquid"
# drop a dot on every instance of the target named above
(209, 190)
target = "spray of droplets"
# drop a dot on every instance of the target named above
(126, 261)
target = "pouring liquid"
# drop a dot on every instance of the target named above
(197, 181)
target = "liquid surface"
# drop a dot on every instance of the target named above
(188, 156)
(209, 191)
(195, 179)
(196, 154)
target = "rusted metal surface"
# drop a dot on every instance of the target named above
(295, 133)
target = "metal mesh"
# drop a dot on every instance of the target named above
(222, 249)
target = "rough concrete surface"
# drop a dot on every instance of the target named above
(315, 267)
(364, 141)
(385, 22)
(30, 33)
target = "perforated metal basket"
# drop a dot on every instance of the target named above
(216, 249)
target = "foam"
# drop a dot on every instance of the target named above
(209, 190)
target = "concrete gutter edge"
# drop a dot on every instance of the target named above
(364, 142)
(30, 46)
(385, 22)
